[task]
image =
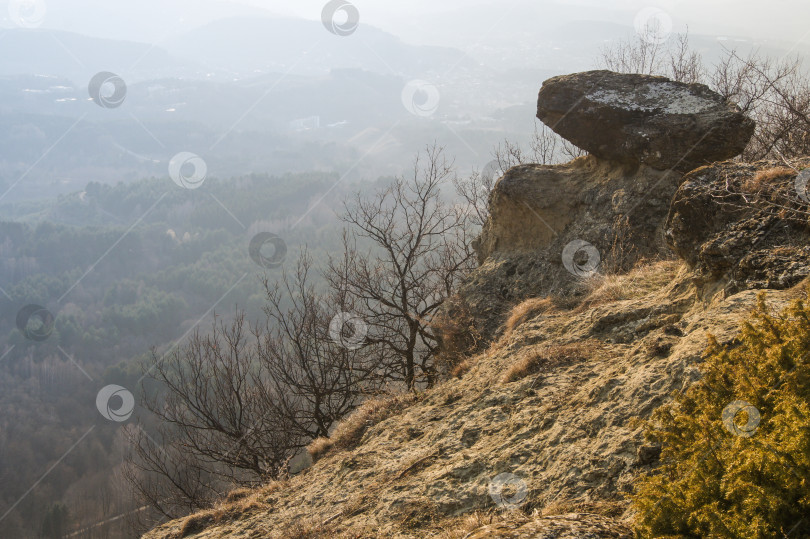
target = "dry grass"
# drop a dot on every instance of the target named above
(238, 494)
(462, 368)
(309, 530)
(319, 447)
(764, 179)
(462, 526)
(416, 514)
(547, 357)
(237, 503)
(199, 521)
(349, 432)
(642, 280)
(527, 310)
(603, 508)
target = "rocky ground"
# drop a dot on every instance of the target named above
(566, 429)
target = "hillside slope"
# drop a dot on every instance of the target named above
(566, 429)
(539, 435)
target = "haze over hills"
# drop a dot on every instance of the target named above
(258, 93)
(272, 107)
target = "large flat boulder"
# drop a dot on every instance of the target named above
(644, 119)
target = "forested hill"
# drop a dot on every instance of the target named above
(122, 269)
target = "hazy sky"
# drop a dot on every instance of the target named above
(785, 19)
(776, 17)
(445, 22)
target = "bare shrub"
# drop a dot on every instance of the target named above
(774, 92)
(474, 190)
(545, 148)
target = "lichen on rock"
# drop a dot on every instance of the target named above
(646, 119)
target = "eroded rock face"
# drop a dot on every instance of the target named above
(644, 119)
(549, 225)
(745, 225)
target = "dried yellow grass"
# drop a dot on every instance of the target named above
(319, 447)
(544, 357)
(644, 279)
(460, 369)
(349, 432)
(526, 310)
(764, 178)
(235, 504)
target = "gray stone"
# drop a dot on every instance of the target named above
(644, 119)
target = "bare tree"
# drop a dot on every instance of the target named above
(216, 428)
(474, 190)
(313, 347)
(233, 406)
(404, 252)
(642, 54)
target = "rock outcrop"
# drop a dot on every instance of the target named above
(744, 225)
(610, 214)
(644, 119)
(552, 225)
